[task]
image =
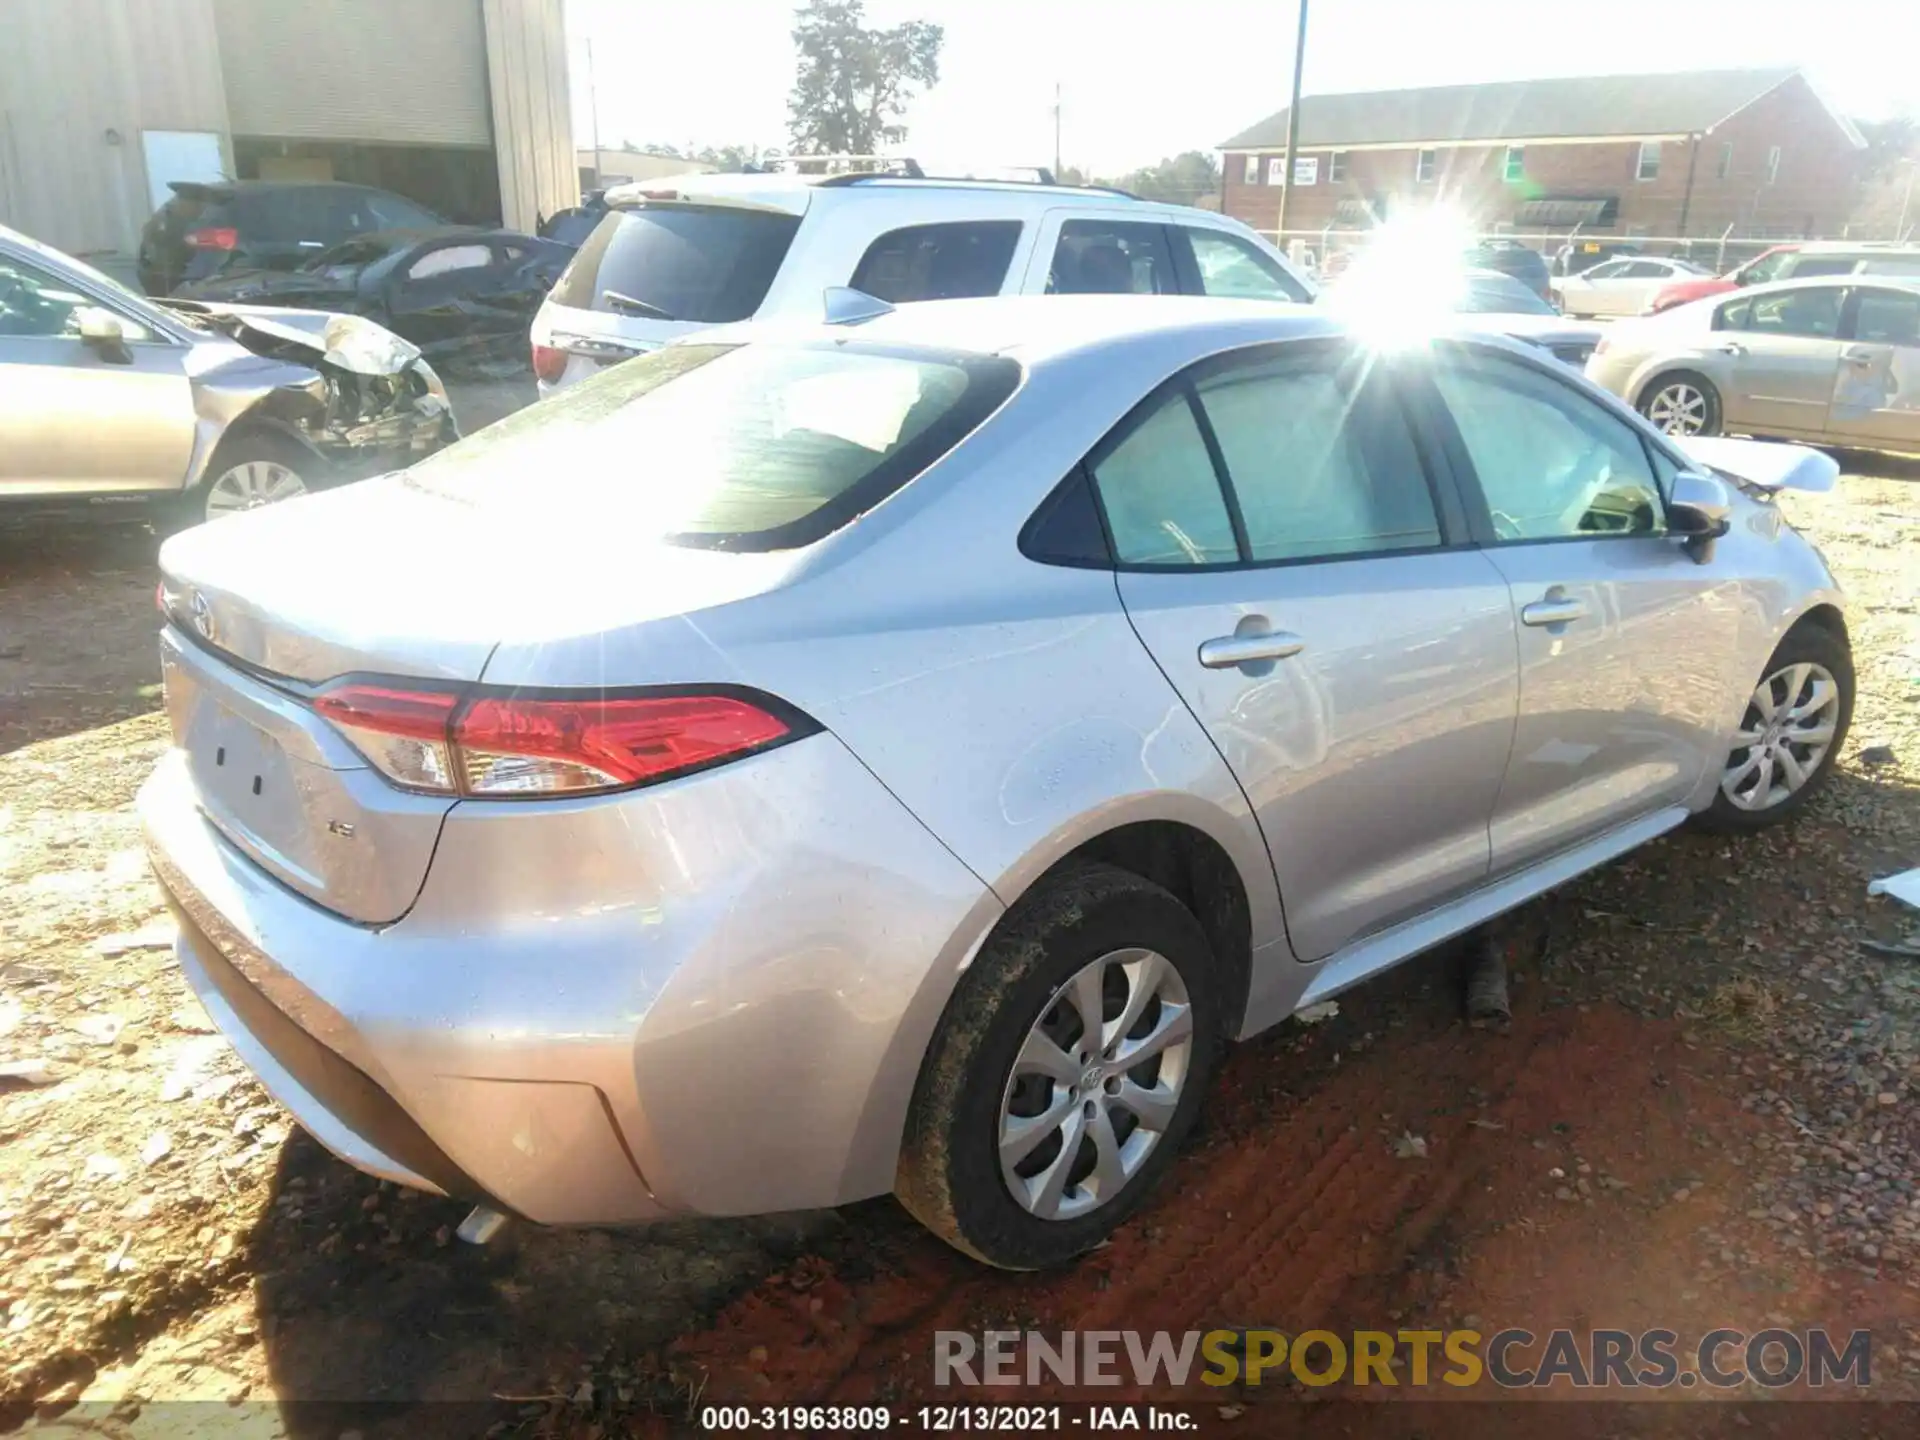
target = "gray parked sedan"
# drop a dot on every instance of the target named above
(1833, 359)
(190, 410)
(818, 760)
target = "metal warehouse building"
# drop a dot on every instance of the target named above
(459, 104)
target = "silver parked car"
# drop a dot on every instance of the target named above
(188, 410)
(1833, 360)
(819, 760)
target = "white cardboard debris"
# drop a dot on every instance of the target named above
(1903, 887)
(158, 935)
(1314, 1014)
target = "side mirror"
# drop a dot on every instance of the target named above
(102, 332)
(1699, 511)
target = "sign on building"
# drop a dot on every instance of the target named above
(1306, 170)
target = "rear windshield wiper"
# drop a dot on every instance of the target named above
(633, 306)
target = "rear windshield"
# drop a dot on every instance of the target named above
(729, 447)
(684, 262)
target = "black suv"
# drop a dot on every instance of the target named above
(211, 227)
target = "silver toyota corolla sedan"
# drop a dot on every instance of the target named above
(1835, 359)
(822, 760)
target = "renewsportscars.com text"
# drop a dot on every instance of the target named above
(1511, 1358)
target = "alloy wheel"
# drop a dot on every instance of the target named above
(251, 484)
(1096, 1084)
(1784, 736)
(1678, 409)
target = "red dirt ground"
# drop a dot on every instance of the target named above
(1631, 1110)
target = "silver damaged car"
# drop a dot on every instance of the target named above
(820, 760)
(187, 412)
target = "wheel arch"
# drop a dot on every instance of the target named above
(1667, 370)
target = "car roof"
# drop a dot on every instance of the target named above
(795, 194)
(1822, 282)
(1866, 249)
(1040, 328)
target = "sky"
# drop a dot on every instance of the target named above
(1142, 79)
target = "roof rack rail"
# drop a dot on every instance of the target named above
(883, 165)
(1041, 177)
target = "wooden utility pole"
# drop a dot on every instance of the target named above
(1293, 121)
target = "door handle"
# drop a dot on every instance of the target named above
(1227, 651)
(1731, 347)
(1556, 607)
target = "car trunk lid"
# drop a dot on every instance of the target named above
(378, 579)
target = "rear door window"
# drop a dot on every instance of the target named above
(938, 262)
(708, 264)
(1885, 317)
(1232, 266)
(1162, 494)
(1321, 462)
(1106, 257)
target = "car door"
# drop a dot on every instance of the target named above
(72, 419)
(1082, 252)
(1783, 357)
(1303, 584)
(1586, 293)
(439, 292)
(1876, 392)
(1624, 639)
(1627, 290)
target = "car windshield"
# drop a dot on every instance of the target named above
(732, 447)
(139, 304)
(1765, 268)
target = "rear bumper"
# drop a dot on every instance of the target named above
(710, 997)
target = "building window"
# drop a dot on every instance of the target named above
(1648, 165)
(1277, 170)
(1515, 167)
(1725, 167)
(1424, 164)
(1773, 164)
(1252, 174)
(1336, 167)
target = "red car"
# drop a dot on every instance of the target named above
(1761, 267)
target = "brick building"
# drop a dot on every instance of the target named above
(1617, 155)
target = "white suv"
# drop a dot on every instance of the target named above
(679, 254)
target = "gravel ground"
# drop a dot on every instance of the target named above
(165, 1233)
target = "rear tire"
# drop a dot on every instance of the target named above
(1681, 403)
(1028, 1142)
(248, 470)
(1790, 733)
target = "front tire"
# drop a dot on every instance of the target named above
(1030, 1137)
(249, 470)
(1682, 403)
(1792, 728)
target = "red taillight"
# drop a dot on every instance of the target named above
(549, 364)
(494, 745)
(416, 714)
(214, 237)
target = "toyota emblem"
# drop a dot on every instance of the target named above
(201, 613)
